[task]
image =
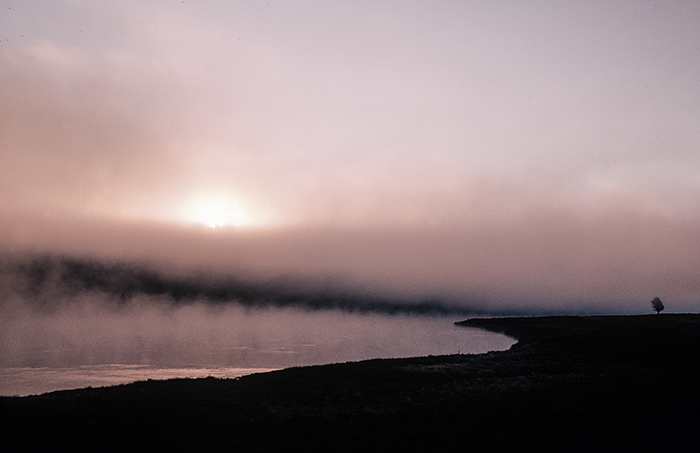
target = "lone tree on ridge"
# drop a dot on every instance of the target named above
(657, 305)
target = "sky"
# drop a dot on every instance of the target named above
(516, 153)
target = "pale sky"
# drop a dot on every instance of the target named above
(504, 150)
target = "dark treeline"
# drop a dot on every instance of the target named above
(44, 280)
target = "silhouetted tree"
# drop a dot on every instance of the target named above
(657, 305)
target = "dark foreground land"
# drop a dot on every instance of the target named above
(570, 383)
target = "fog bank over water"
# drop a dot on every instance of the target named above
(546, 262)
(68, 322)
(198, 335)
(91, 341)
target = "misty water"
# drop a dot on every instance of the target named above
(87, 344)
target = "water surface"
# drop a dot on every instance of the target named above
(87, 346)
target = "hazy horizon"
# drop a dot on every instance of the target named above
(509, 157)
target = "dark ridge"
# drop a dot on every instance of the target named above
(614, 383)
(70, 276)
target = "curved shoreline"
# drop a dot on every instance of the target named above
(569, 383)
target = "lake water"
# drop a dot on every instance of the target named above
(86, 345)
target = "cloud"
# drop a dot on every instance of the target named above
(72, 140)
(335, 114)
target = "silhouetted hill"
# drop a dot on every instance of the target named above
(45, 281)
(570, 384)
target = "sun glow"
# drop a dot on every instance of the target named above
(218, 210)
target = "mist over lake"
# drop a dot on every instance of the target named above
(68, 323)
(199, 335)
(90, 345)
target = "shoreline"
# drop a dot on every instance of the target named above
(573, 382)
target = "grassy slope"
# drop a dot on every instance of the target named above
(571, 383)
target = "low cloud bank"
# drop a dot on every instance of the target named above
(540, 262)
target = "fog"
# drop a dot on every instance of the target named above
(544, 262)
(58, 311)
(199, 335)
(77, 293)
(60, 327)
(391, 157)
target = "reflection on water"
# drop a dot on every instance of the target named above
(32, 381)
(89, 346)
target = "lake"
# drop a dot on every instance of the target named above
(89, 345)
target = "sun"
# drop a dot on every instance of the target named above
(218, 210)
